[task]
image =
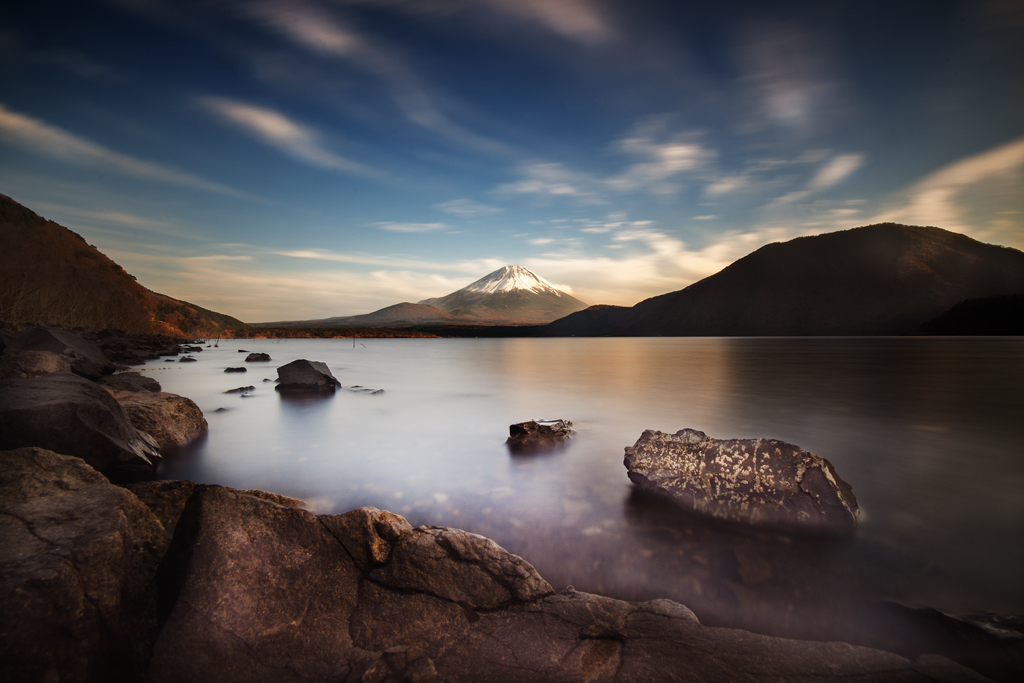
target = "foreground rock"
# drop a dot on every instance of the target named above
(306, 375)
(170, 419)
(23, 363)
(86, 359)
(538, 435)
(258, 591)
(762, 483)
(73, 416)
(77, 572)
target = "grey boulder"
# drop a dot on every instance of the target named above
(86, 359)
(762, 483)
(68, 414)
(77, 572)
(306, 374)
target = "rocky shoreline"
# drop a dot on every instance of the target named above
(108, 578)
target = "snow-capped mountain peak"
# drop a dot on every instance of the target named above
(510, 279)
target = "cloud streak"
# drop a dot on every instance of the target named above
(41, 138)
(278, 131)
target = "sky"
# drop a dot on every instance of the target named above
(282, 160)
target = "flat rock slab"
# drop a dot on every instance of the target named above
(170, 419)
(538, 435)
(258, 591)
(86, 359)
(69, 414)
(305, 374)
(762, 483)
(77, 572)
(235, 370)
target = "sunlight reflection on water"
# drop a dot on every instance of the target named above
(926, 430)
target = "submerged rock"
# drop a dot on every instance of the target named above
(69, 414)
(234, 370)
(538, 435)
(240, 390)
(306, 374)
(257, 357)
(757, 482)
(186, 359)
(78, 569)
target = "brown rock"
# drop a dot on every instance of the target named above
(86, 359)
(304, 374)
(25, 363)
(71, 415)
(128, 381)
(538, 435)
(77, 572)
(170, 419)
(758, 482)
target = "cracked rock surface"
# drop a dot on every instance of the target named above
(77, 572)
(762, 483)
(252, 590)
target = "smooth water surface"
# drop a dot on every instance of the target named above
(928, 431)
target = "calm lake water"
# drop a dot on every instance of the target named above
(928, 431)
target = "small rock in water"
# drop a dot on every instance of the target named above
(187, 359)
(240, 390)
(242, 351)
(222, 410)
(355, 388)
(762, 483)
(535, 436)
(234, 369)
(257, 357)
(267, 379)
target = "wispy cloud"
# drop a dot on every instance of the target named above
(412, 227)
(466, 208)
(41, 138)
(275, 129)
(554, 180)
(579, 20)
(936, 198)
(324, 34)
(829, 175)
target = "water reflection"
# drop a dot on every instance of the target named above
(927, 431)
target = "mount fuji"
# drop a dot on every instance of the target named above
(512, 295)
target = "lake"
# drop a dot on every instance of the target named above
(928, 431)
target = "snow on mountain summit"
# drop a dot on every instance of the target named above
(510, 279)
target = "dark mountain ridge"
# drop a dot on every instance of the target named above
(399, 315)
(883, 279)
(50, 275)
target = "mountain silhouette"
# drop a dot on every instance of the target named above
(884, 279)
(50, 275)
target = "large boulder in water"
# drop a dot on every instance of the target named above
(86, 358)
(77, 572)
(71, 415)
(306, 374)
(757, 482)
(535, 436)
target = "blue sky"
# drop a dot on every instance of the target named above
(283, 160)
